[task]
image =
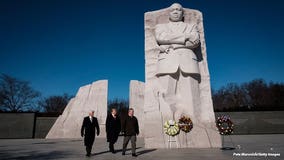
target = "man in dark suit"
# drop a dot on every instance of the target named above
(130, 128)
(113, 127)
(88, 131)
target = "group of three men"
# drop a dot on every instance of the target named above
(129, 127)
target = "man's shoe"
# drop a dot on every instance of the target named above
(134, 155)
(113, 152)
(123, 153)
(88, 155)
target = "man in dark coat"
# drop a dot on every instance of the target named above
(113, 127)
(130, 128)
(88, 131)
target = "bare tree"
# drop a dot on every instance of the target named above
(258, 91)
(276, 95)
(121, 105)
(16, 95)
(254, 95)
(55, 103)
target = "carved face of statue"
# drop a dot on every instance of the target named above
(176, 12)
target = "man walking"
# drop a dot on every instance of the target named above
(130, 128)
(113, 127)
(88, 131)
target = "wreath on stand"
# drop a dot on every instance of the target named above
(225, 125)
(171, 128)
(185, 124)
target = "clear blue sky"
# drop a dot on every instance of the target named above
(61, 45)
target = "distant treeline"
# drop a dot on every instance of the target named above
(256, 95)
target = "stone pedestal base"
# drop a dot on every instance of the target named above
(201, 136)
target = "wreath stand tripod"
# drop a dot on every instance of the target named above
(231, 142)
(172, 139)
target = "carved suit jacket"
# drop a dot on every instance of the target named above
(175, 50)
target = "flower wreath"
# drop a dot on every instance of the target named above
(185, 124)
(171, 128)
(225, 125)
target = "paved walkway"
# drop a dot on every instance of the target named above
(67, 149)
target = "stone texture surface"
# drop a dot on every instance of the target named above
(256, 122)
(43, 126)
(136, 101)
(17, 125)
(89, 97)
(204, 133)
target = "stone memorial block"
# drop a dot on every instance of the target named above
(136, 101)
(177, 78)
(89, 97)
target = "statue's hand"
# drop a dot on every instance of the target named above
(188, 44)
(191, 44)
(193, 38)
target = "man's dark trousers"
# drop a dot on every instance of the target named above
(133, 143)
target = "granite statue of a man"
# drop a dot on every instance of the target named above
(177, 67)
(177, 79)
